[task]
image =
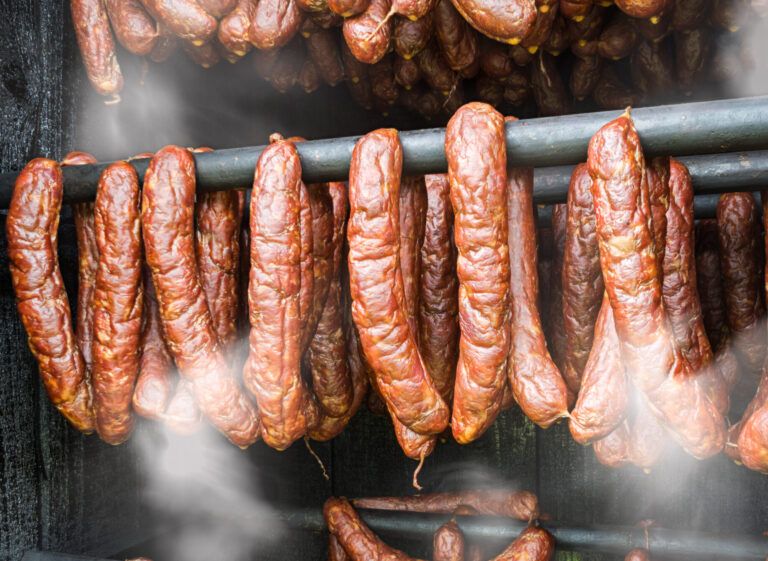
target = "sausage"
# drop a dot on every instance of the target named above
(587, 28)
(355, 537)
(611, 93)
(184, 18)
(285, 72)
(520, 505)
(495, 60)
(602, 397)
(585, 75)
(655, 29)
(644, 9)
(378, 300)
(517, 88)
(313, 6)
(726, 15)
(638, 554)
(653, 362)
(328, 353)
(234, 27)
(412, 209)
(406, 72)
(324, 52)
(413, 9)
(546, 14)
(648, 440)
(409, 37)
(691, 58)
(555, 296)
(306, 261)
(166, 45)
(274, 23)
(689, 14)
(361, 91)
(168, 230)
(489, 90)
(335, 550)
(217, 248)
(618, 38)
(117, 301)
(476, 151)
(348, 8)
(652, 68)
(503, 21)
(309, 77)
(97, 47)
(757, 401)
(709, 282)
(547, 85)
(32, 234)
(368, 34)
(558, 40)
(204, 55)
(575, 9)
(533, 544)
(134, 28)
(439, 289)
(435, 69)
(582, 281)
(613, 450)
(681, 297)
(537, 385)
(458, 41)
(155, 379)
(217, 8)
(736, 222)
(544, 243)
(521, 55)
(383, 84)
(448, 543)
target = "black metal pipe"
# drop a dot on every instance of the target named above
(689, 128)
(619, 540)
(54, 556)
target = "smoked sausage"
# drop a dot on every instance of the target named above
(505, 21)
(134, 28)
(97, 47)
(533, 544)
(274, 23)
(448, 543)
(368, 34)
(234, 27)
(184, 18)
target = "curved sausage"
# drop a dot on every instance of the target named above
(457, 39)
(348, 8)
(533, 544)
(709, 281)
(548, 88)
(555, 315)
(274, 23)
(234, 27)
(537, 385)
(653, 362)
(335, 550)
(412, 210)
(133, 26)
(448, 543)
(645, 9)
(691, 58)
(439, 289)
(409, 37)
(378, 300)
(613, 450)
(324, 52)
(117, 301)
(585, 76)
(368, 34)
(97, 47)
(505, 21)
(648, 440)
(184, 18)
(32, 233)
(168, 228)
(476, 151)
(618, 38)
(217, 8)
(406, 72)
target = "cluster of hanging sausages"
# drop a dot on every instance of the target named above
(351, 539)
(423, 289)
(430, 56)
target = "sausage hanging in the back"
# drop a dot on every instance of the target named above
(448, 543)
(533, 544)
(134, 28)
(185, 18)
(97, 47)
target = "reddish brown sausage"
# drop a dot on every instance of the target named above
(710, 282)
(435, 70)
(41, 299)
(736, 220)
(412, 210)
(97, 47)
(645, 9)
(217, 8)
(613, 450)
(274, 23)
(168, 229)
(692, 58)
(184, 18)
(582, 278)
(618, 38)
(632, 280)
(555, 315)
(520, 505)
(638, 554)
(548, 88)
(234, 28)
(457, 39)
(355, 537)
(307, 264)
(166, 45)
(409, 37)
(448, 543)
(585, 75)
(378, 300)
(406, 72)
(368, 34)
(648, 440)
(323, 50)
(538, 387)
(476, 151)
(335, 550)
(439, 289)
(503, 21)
(533, 544)
(348, 8)
(133, 26)
(328, 352)
(117, 301)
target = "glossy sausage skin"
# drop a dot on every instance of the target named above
(476, 152)
(632, 279)
(348, 8)
(335, 550)
(602, 399)
(355, 537)
(439, 289)
(41, 299)
(638, 554)
(582, 278)
(520, 505)
(613, 450)
(306, 265)
(117, 301)
(412, 209)
(709, 281)
(448, 543)
(644, 9)
(97, 47)
(368, 34)
(736, 220)
(328, 352)
(555, 296)
(234, 28)
(217, 247)
(274, 23)
(272, 372)
(217, 8)
(506, 21)
(378, 299)
(184, 18)
(533, 544)
(168, 227)
(134, 28)
(679, 290)
(537, 385)
(409, 37)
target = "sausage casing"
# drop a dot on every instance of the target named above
(97, 47)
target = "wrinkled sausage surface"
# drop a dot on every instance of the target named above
(368, 34)
(184, 18)
(97, 47)
(506, 21)
(134, 28)
(274, 23)
(448, 543)
(533, 544)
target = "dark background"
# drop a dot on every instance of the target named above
(62, 491)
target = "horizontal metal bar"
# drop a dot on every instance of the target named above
(53, 556)
(619, 540)
(688, 128)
